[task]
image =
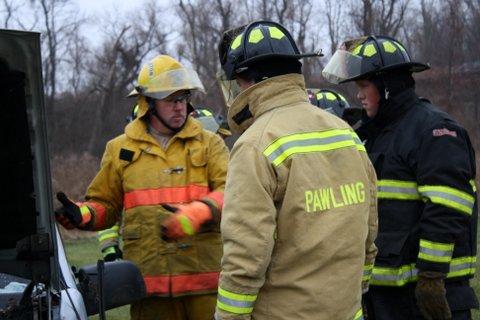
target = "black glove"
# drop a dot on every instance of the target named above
(69, 215)
(112, 253)
(431, 296)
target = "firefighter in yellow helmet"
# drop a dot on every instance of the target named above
(300, 201)
(168, 175)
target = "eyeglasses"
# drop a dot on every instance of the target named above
(182, 98)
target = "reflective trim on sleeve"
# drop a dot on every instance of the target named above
(367, 272)
(107, 234)
(397, 277)
(100, 213)
(435, 251)
(85, 211)
(449, 197)
(397, 189)
(460, 267)
(108, 251)
(186, 225)
(235, 302)
(384, 276)
(86, 214)
(311, 142)
(358, 315)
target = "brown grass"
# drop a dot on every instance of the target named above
(72, 174)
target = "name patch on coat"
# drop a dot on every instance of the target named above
(444, 132)
(322, 199)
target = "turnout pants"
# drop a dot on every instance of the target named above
(198, 307)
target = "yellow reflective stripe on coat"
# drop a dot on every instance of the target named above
(106, 234)
(397, 189)
(397, 277)
(449, 197)
(385, 276)
(435, 251)
(358, 315)
(367, 272)
(85, 211)
(460, 267)
(235, 302)
(186, 225)
(309, 142)
(108, 251)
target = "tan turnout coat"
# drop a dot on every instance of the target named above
(300, 217)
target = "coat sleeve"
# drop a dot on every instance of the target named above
(104, 195)
(248, 227)
(445, 176)
(370, 248)
(217, 172)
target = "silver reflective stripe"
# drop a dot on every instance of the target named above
(308, 142)
(437, 253)
(357, 140)
(412, 191)
(236, 303)
(409, 274)
(461, 267)
(448, 196)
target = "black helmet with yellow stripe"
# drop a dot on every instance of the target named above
(332, 102)
(366, 57)
(242, 47)
(335, 103)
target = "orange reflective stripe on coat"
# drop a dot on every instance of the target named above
(147, 197)
(100, 214)
(181, 284)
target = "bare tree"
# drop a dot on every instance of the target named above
(9, 9)
(203, 24)
(334, 12)
(116, 66)
(383, 17)
(77, 58)
(59, 22)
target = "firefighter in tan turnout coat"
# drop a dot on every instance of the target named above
(300, 215)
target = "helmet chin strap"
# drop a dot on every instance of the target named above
(153, 111)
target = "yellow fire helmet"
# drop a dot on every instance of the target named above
(163, 76)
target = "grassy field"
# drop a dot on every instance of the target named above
(85, 251)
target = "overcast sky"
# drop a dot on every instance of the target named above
(97, 9)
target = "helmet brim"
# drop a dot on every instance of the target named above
(132, 94)
(413, 67)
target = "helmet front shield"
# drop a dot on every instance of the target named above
(230, 88)
(168, 82)
(343, 66)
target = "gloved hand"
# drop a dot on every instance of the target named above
(186, 220)
(70, 215)
(431, 296)
(112, 253)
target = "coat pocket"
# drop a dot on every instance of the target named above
(131, 243)
(198, 165)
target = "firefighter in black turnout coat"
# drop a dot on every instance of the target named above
(425, 165)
